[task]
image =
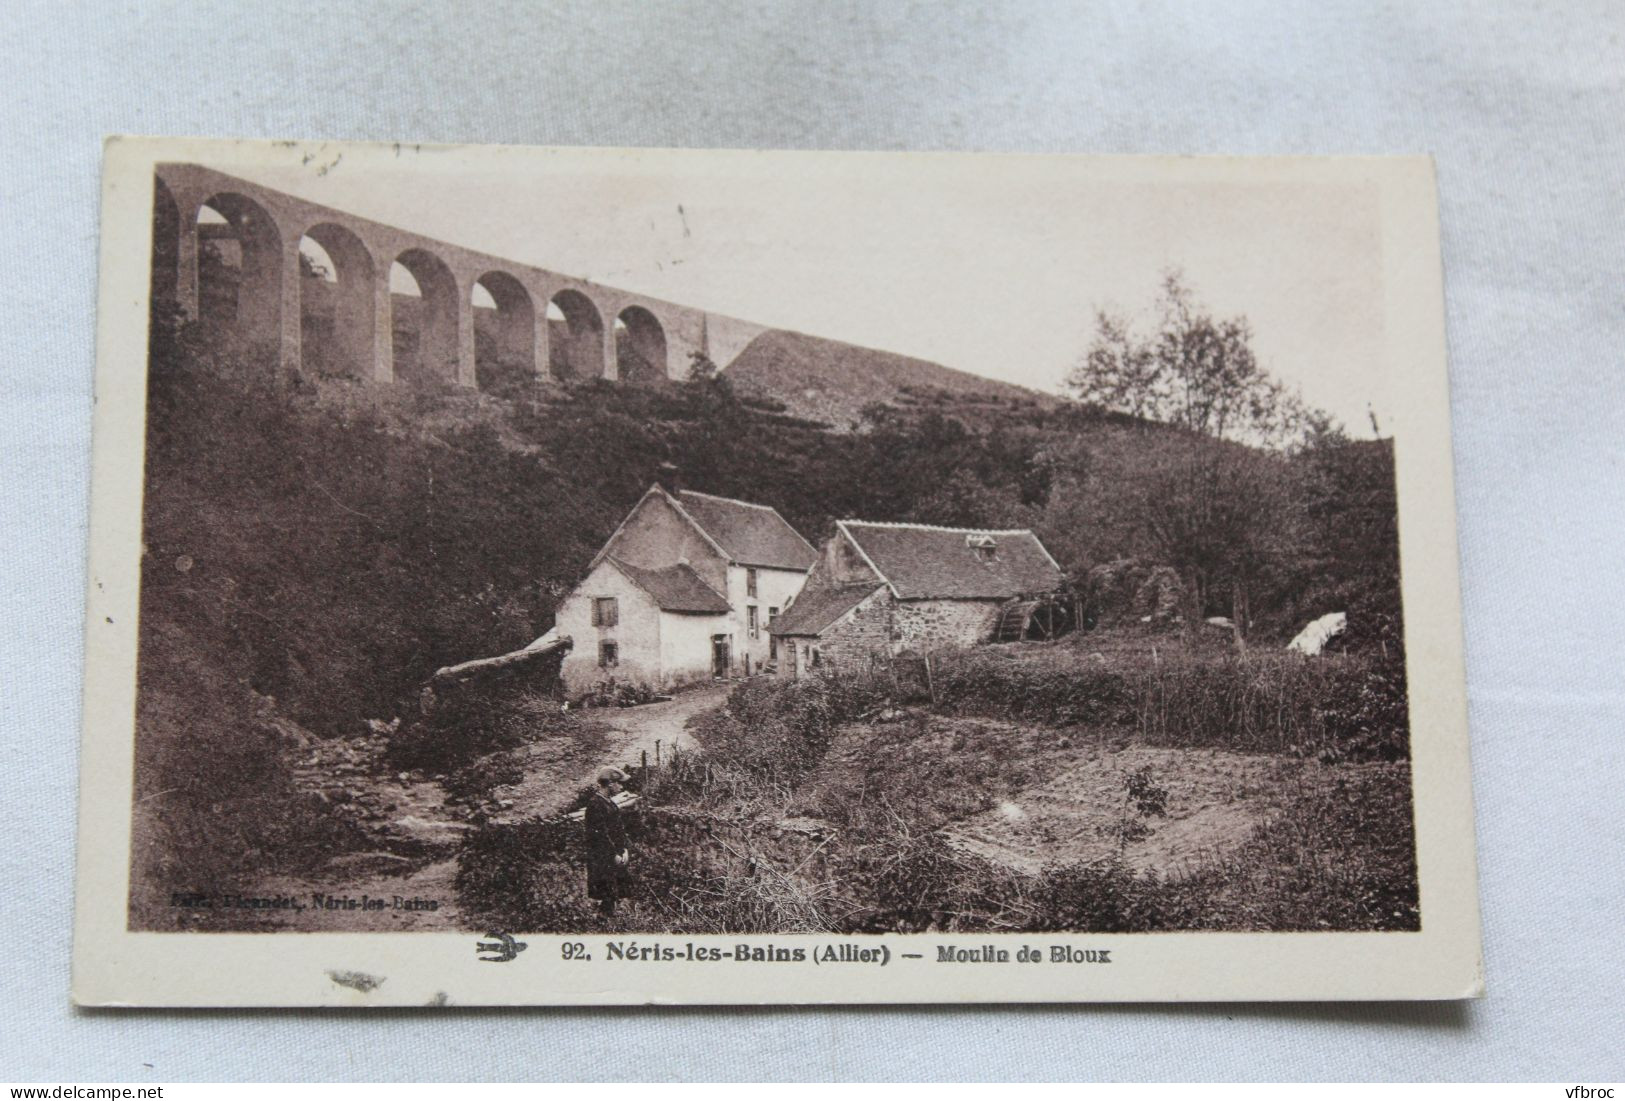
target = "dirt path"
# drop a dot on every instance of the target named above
(550, 786)
(665, 724)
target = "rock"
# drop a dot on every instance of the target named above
(1223, 622)
(1313, 638)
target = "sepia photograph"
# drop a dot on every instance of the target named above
(625, 544)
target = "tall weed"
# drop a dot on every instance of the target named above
(1339, 706)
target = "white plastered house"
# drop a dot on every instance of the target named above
(687, 588)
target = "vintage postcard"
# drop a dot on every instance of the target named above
(595, 576)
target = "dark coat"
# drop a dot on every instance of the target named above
(606, 839)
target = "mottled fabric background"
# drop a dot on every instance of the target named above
(1521, 104)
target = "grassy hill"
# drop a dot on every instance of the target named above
(828, 381)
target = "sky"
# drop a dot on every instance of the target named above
(994, 265)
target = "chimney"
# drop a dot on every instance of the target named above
(670, 478)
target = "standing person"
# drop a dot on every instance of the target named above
(607, 857)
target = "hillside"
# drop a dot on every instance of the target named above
(828, 381)
(314, 547)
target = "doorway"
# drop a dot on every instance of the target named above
(721, 656)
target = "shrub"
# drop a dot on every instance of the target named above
(1340, 705)
(215, 800)
(777, 730)
(1253, 701)
(617, 693)
(911, 884)
(710, 876)
(1058, 686)
(1369, 716)
(479, 778)
(1097, 898)
(469, 724)
(1341, 856)
(527, 876)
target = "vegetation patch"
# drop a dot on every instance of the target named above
(1176, 693)
(854, 804)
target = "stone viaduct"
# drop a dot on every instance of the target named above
(551, 325)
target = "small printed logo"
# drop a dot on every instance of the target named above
(502, 947)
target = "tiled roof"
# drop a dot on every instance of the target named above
(753, 535)
(816, 609)
(921, 562)
(675, 588)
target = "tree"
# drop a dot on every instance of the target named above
(962, 501)
(1226, 517)
(1196, 371)
(701, 367)
(1211, 502)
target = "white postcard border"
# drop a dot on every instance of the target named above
(116, 967)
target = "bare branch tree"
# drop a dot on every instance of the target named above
(1196, 371)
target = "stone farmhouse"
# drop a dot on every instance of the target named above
(686, 588)
(879, 590)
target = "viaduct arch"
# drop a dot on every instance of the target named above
(575, 329)
(322, 290)
(338, 311)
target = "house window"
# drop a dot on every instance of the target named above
(815, 657)
(605, 612)
(609, 655)
(772, 639)
(983, 546)
(750, 619)
(750, 581)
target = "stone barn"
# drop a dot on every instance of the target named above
(685, 589)
(882, 589)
